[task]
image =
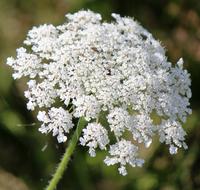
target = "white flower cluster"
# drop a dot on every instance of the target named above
(123, 152)
(119, 120)
(116, 72)
(58, 120)
(94, 135)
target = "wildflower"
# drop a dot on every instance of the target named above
(96, 68)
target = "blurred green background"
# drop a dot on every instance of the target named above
(28, 158)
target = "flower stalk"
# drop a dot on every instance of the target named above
(66, 157)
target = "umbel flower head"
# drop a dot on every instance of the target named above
(115, 75)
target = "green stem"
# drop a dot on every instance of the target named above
(65, 159)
